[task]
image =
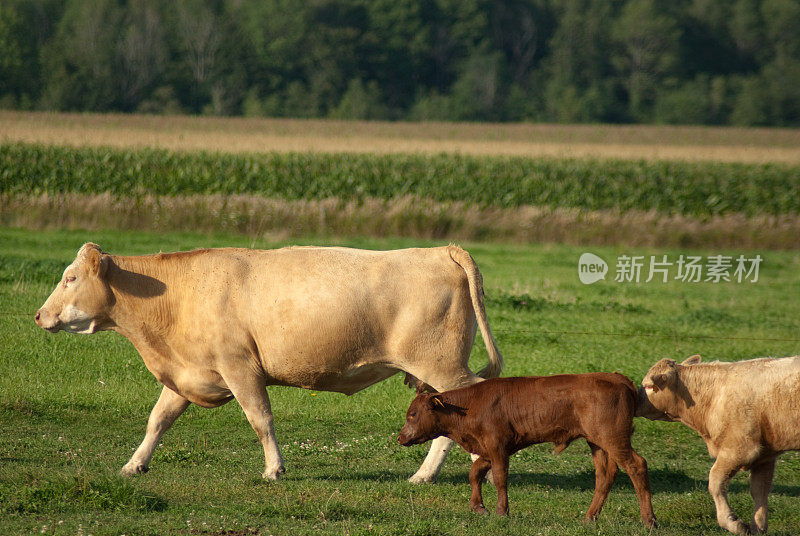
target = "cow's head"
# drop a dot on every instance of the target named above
(80, 302)
(662, 394)
(422, 419)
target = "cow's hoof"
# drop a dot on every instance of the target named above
(755, 529)
(422, 479)
(651, 523)
(273, 474)
(479, 509)
(132, 469)
(740, 527)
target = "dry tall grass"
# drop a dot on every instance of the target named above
(409, 216)
(239, 135)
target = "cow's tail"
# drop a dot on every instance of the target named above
(465, 260)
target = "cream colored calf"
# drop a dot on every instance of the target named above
(748, 413)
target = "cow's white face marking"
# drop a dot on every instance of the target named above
(76, 321)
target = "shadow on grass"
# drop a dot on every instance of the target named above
(661, 481)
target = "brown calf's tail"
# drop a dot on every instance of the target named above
(467, 263)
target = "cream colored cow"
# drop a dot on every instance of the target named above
(217, 324)
(748, 413)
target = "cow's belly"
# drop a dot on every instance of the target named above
(347, 381)
(205, 388)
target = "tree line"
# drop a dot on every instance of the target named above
(642, 61)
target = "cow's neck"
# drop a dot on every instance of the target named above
(449, 422)
(697, 393)
(143, 307)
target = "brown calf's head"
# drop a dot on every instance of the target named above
(422, 420)
(658, 398)
(81, 300)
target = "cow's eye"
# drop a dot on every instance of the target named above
(70, 278)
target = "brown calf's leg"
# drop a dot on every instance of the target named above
(760, 484)
(636, 467)
(718, 478)
(500, 475)
(605, 471)
(479, 469)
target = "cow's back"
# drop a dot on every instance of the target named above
(328, 318)
(758, 397)
(556, 408)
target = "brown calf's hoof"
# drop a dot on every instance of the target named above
(478, 509)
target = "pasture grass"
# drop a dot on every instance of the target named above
(73, 408)
(240, 135)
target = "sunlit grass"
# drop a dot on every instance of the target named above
(74, 407)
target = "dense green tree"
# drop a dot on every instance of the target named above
(648, 38)
(577, 85)
(697, 61)
(80, 60)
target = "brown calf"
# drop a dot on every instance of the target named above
(497, 417)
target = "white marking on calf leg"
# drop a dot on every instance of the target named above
(251, 393)
(169, 407)
(760, 484)
(718, 478)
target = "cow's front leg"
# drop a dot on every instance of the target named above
(477, 473)
(169, 407)
(718, 478)
(433, 461)
(760, 484)
(251, 393)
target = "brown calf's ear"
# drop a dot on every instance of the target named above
(435, 401)
(695, 359)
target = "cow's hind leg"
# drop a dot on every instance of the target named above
(718, 478)
(605, 471)
(760, 484)
(251, 393)
(169, 407)
(636, 467)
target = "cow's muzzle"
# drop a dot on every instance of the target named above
(407, 441)
(46, 320)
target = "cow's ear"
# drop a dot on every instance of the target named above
(435, 402)
(97, 261)
(695, 359)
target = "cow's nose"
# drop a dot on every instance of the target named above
(38, 316)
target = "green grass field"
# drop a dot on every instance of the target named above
(73, 408)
